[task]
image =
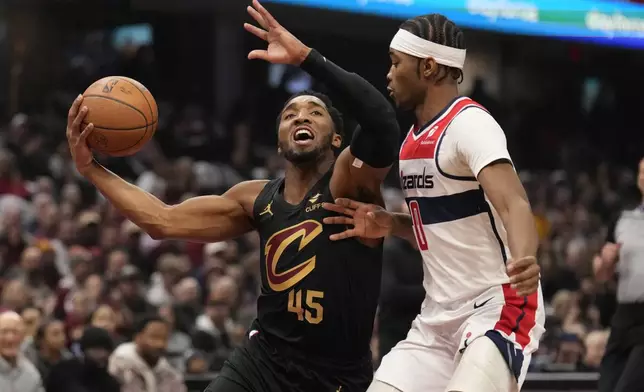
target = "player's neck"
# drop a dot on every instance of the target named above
(299, 179)
(436, 99)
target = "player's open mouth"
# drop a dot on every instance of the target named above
(303, 136)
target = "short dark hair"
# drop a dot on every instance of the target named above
(40, 332)
(336, 116)
(144, 321)
(438, 29)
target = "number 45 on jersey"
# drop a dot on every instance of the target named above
(312, 310)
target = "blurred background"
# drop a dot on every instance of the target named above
(564, 79)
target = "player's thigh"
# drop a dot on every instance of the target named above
(482, 368)
(513, 330)
(423, 362)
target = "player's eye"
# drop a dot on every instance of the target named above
(288, 116)
(316, 113)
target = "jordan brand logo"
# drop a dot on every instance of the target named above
(315, 198)
(267, 210)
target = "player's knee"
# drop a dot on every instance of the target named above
(482, 369)
(379, 386)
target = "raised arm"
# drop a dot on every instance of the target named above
(207, 218)
(360, 168)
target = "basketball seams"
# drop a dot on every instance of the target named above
(144, 97)
(153, 124)
(130, 129)
(145, 131)
(145, 119)
(119, 129)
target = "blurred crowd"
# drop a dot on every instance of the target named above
(85, 281)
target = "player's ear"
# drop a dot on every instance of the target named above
(430, 68)
(337, 140)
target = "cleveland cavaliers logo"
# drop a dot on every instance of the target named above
(302, 234)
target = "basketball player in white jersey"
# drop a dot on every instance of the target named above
(470, 216)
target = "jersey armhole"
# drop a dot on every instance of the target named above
(264, 197)
(438, 149)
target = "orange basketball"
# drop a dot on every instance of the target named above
(124, 114)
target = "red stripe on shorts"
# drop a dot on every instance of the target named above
(518, 315)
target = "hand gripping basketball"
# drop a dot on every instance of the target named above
(368, 220)
(77, 140)
(283, 47)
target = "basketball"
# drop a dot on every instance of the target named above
(124, 114)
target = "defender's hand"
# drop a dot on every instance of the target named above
(368, 220)
(524, 275)
(77, 140)
(283, 47)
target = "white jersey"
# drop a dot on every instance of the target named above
(463, 244)
(459, 233)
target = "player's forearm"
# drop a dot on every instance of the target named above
(142, 208)
(403, 227)
(523, 238)
(369, 107)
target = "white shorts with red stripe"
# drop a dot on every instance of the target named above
(427, 358)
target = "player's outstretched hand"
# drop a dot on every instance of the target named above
(283, 47)
(524, 275)
(77, 140)
(368, 220)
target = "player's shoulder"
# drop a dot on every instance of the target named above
(472, 120)
(250, 187)
(246, 192)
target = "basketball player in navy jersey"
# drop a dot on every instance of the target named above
(318, 298)
(471, 220)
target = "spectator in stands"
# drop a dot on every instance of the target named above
(178, 343)
(217, 318)
(30, 272)
(32, 318)
(51, 345)
(14, 296)
(188, 304)
(141, 365)
(197, 363)
(132, 289)
(88, 372)
(170, 270)
(16, 372)
(104, 317)
(595, 348)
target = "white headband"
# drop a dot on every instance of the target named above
(408, 43)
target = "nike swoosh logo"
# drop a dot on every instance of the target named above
(476, 306)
